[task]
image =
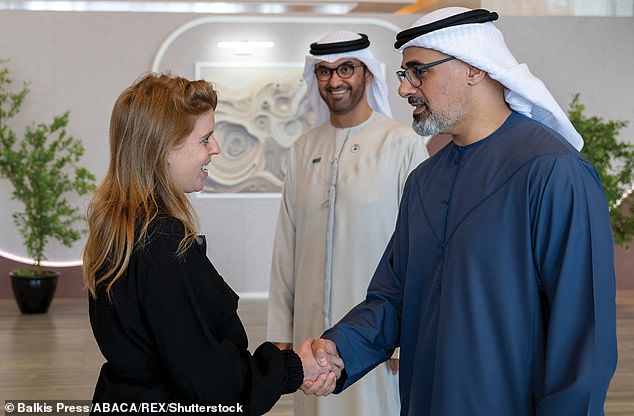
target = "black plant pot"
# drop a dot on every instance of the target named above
(34, 294)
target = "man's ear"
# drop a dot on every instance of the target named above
(368, 75)
(475, 75)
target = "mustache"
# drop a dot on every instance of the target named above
(416, 101)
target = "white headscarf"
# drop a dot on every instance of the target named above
(376, 93)
(482, 45)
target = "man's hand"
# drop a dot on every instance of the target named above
(325, 352)
(392, 363)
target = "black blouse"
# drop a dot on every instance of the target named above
(170, 333)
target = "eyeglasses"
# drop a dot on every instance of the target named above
(414, 74)
(344, 71)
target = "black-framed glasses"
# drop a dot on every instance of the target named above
(344, 71)
(414, 74)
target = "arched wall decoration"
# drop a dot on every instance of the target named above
(262, 106)
(45, 263)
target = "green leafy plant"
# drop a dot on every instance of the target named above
(614, 161)
(42, 166)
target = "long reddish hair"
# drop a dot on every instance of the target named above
(149, 118)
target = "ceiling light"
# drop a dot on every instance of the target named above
(247, 47)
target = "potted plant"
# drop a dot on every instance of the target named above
(614, 161)
(42, 167)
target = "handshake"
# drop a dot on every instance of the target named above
(322, 366)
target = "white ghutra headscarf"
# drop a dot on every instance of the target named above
(338, 45)
(470, 36)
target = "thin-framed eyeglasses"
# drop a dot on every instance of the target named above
(414, 74)
(344, 71)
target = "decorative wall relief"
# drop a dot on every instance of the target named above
(261, 111)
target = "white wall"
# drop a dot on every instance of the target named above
(82, 61)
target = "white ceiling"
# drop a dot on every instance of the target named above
(240, 6)
(332, 7)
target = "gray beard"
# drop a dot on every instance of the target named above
(430, 126)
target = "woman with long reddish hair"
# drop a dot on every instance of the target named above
(163, 317)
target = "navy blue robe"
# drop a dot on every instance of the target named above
(498, 283)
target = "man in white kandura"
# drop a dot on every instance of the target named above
(339, 206)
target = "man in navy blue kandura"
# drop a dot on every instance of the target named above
(498, 282)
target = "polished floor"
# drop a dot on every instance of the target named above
(54, 356)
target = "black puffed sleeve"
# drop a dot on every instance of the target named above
(274, 372)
